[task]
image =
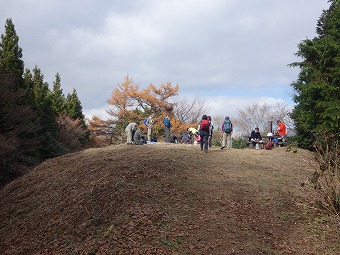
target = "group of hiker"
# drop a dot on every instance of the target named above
(202, 135)
(281, 134)
(134, 131)
(204, 132)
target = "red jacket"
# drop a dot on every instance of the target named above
(282, 130)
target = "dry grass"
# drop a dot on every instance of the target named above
(327, 175)
(167, 199)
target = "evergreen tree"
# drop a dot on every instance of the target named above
(317, 89)
(29, 84)
(11, 56)
(74, 110)
(43, 102)
(73, 106)
(51, 147)
(58, 98)
(18, 120)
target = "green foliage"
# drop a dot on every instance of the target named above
(28, 111)
(239, 143)
(11, 54)
(73, 106)
(57, 96)
(19, 121)
(43, 103)
(317, 89)
(217, 142)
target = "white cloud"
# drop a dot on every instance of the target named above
(229, 106)
(219, 49)
(100, 112)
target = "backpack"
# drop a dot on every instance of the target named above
(154, 138)
(227, 126)
(204, 125)
(269, 145)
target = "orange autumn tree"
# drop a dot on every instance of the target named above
(130, 104)
(97, 125)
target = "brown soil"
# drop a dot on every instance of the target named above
(167, 199)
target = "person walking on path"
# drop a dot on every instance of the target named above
(211, 132)
(167, 126)
(204, 131)
(149, 125)
(129, 130)
(227, 129)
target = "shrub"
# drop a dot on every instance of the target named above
(239, 143)
(327, 177)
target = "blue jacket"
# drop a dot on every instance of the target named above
(167, 123)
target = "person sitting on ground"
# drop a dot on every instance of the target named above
(138, 138)
(154, 138)
(185, 138)
(255, 137)
(174, 139)
(282, 130)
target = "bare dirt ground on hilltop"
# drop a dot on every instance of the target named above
(167, 199)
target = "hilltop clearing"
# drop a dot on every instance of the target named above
(167, 199)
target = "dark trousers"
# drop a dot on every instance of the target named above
(204, 139)
(167, 134)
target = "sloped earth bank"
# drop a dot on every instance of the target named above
(167, 199)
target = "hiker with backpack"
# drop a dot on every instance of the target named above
(204, 130)
(227, 129)
(149, 125)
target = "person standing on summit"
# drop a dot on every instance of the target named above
(282, 130)
(149, 125)
(227, 129)
(167, 126)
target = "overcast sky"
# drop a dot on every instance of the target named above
(230, 53)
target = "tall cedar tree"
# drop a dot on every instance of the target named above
(73, 107)
(50, 146)
(11, 56)
(18, 121)
(74, 110)
(317, 89)
(58, 98)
